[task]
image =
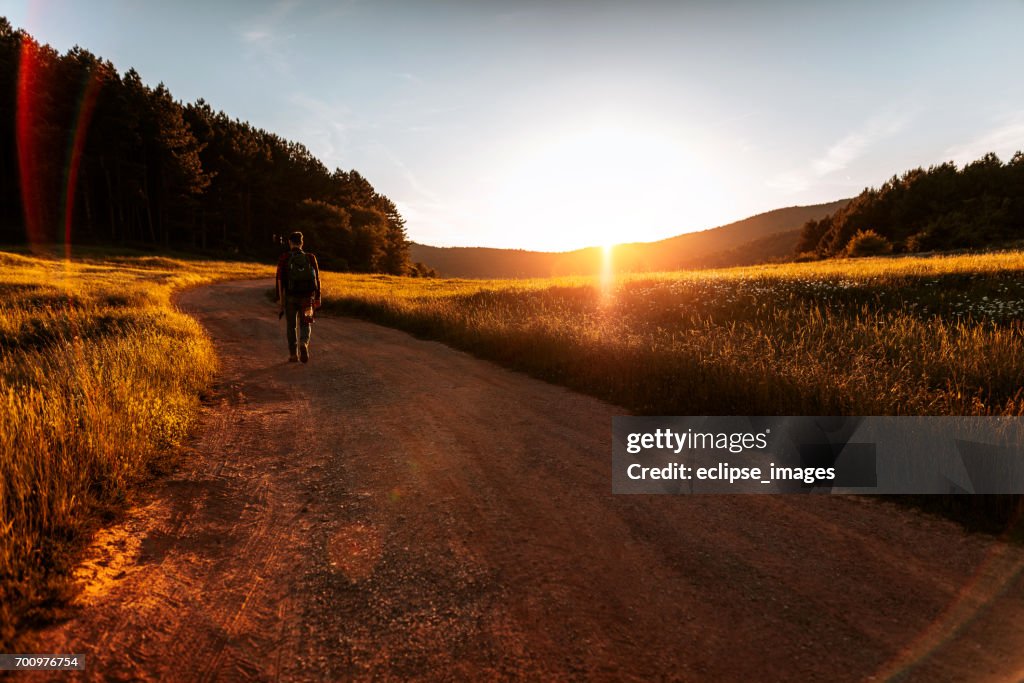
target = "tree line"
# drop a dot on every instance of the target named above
(92, 156)
(941, 208)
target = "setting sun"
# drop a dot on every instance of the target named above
(606, 183)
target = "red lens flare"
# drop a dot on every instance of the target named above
(30, 135)
(48, 171)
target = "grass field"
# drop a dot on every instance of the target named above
(910, 336)
(100, 378)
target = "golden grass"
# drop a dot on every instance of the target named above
(886, 336)
(99, 376)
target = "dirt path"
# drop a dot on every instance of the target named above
(397, 509)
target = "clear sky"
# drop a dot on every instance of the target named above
(561, 124)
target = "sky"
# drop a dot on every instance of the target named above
(563, 124)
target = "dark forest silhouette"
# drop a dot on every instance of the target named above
(942, 208)
(89, 156)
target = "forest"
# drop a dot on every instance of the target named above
(939, 209)
(89, 156)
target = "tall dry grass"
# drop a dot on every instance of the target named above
(913, 336)
(100, 376)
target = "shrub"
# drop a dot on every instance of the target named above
(918, 242)
(868, 243)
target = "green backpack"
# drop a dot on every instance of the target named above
(301, 279)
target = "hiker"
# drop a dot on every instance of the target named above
(298, 291)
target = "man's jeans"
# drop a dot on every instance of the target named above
(293, 318)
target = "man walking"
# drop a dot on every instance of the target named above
(298, 291)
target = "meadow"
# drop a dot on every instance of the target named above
(935, 335)
(100, 379)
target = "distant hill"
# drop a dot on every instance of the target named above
(780, 246)
(758, 239)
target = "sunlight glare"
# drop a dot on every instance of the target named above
(607, 272)
(605, 184)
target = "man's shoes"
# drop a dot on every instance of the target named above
(293, 358)
(304, 353)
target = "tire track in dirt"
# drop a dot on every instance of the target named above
(397, 509)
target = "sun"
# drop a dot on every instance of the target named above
(600, 185)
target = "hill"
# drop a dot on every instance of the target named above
(758, 239)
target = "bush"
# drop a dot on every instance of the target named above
(917, 243)
(419, 269)
(868, 243)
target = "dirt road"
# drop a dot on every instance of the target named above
(397, 509)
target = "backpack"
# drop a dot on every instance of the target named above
(301, 279)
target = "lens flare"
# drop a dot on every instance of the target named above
(86, 106)
(47, 185)
(607, 272)
(29, 140)
(1001, 567)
